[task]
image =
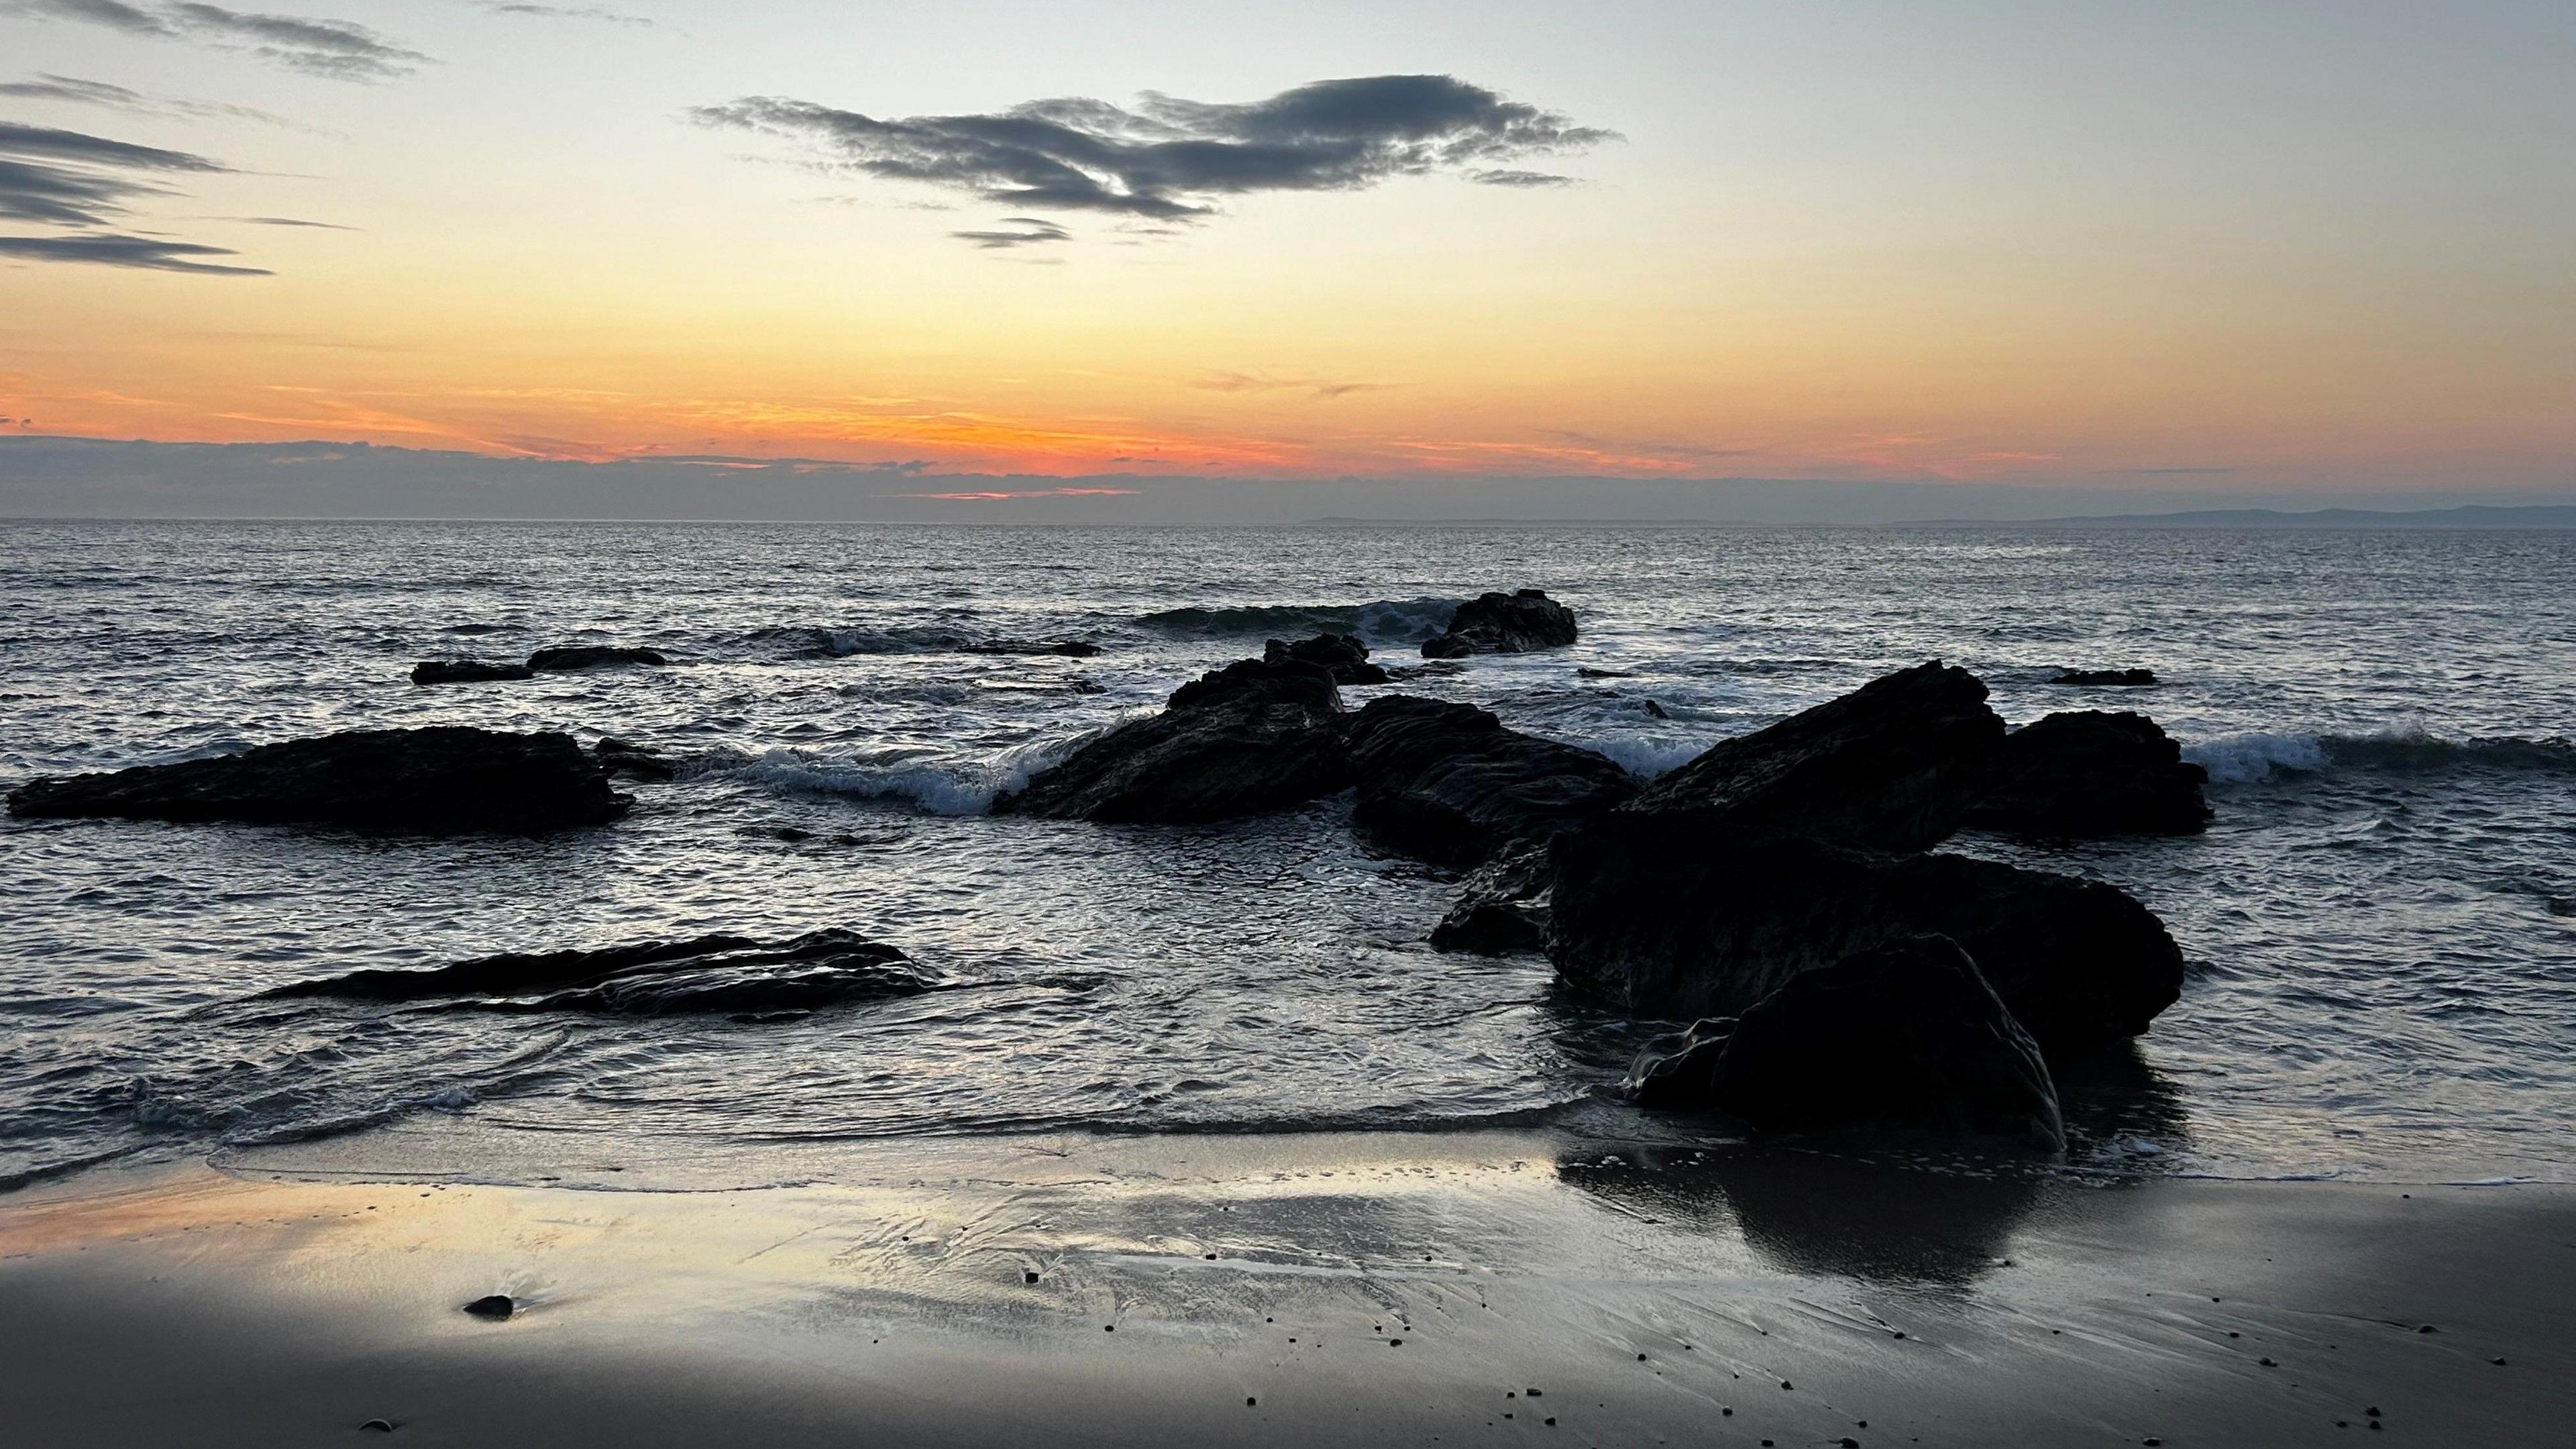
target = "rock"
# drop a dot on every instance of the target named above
(1904, 1036)
(1667, 915)
(592, 656)
(443, 779)
(635, 762)
(493, 1305)
(1502, 907)
(1894, 765)
(1500, 623)
(1341, 655)
(656, 978)
(1250, 737)
(2126, 678)
(1063, 648)
(466, 671)
(2091, 773)
(1447, 782)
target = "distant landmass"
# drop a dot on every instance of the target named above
(2472, 515)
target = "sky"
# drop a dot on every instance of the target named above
(1452, 251)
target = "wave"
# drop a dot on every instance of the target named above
(2247, 758)
(1386, 621)
(937, 784)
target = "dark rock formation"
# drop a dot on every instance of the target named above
(707, 974)
(1502, 906)
(1676, 915)
(441, 779)
(490, 1305)
(1063, 648)
(1894, 765)
(2091, 773)
(592, 656)
(466, 671)
(1448, 783)
(1250, 737)
(1904, 1036)
(1341, 655)
(1499, 623)
(634, 762)
(2125, 678)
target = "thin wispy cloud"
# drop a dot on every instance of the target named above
(567, 12)
(1024, 231)
(73, 90)
(1254, 382)
(1525, 179)
(294, 221)
(998, 495)
(1174, 160)
(71, 178)
(110, 249)
(336, 49)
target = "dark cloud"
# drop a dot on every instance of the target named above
(338, 49)
(286, 221)
(1171, 159)
(1029, 230)
(37, 185)
(110, 249)
(565, 12)
(60, 145)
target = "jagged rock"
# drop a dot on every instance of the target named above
(1250, 737)
(1904, 1036)
(443, 779)
(1499, 623)
(1448, 783)
(1502, 906)
(1894, 765)
(2091, 773)
(1341, 655)
(2124, 678)
(706, 974)
(490, 1305)
(592, 656)
(1063, 648)
(1674, 915)
(466, 671)
(634, 762)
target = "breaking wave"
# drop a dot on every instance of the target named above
(934, 782)
(2247, 758)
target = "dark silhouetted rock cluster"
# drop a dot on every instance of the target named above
(1500, 623)
(1903, 1036)
(1251, 737)
(2091, 773)
(466, 671)
(731, 974)
(1341, 655)
(1502, 906)
(1448, 783)
(441, 779)
(1061, 648)
(592, 656)
(2119, 678)
(633, 761)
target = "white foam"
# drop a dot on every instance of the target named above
(935, 783)
(1646, 755)
(2240, 759)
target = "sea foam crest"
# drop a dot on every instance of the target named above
(936, 783)
(2409, 748)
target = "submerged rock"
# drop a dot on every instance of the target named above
(592, 656)
(1251, 737)
(1341, 655)
(1903, 1036)
(2091, 773)
(706, 974)
(634, 762)
(445, 779)
(1502, 907)
(466, 671)
(1447, 782)
(2124, 678)
(1894, 765)
(1499, 623)
(1062, 648)
(1676, 916)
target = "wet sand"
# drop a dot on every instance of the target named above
(1325, 1289)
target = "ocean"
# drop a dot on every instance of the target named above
(2380, 923)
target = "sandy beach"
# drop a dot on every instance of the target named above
(1344, 1288)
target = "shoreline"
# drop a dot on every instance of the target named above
(1123, 1290)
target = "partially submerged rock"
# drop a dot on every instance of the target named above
(633, 761)
(466, 671)
(592, 656)
(1502, 906)
(1251, 737)
(2120, 678)
(442, 779)
(1500, 623)
(706, 974)
(2091, 773)
(1904, 1036)
(1674, 915)
(1061, 648)
(1447, 782)
(1894, 765)
(1343, 656)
